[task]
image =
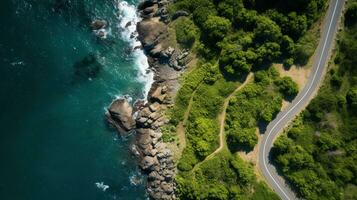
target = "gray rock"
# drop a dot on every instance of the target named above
(155, 176)
(134, 150)
(151, 33)
(163, 3)
(149, 122)
(142, 120)
(154, 107)
(156, 51)
(154, 116)
(166, 187)
(149, 10)
(120, 115)
(98, 24)
(145, 4)
(149, 151)
(179, 13)
(160, 146)
(164, 153)
(158, 95)
(128, 24)
(144, 131)
(145, 139)
(148, 162)
(145, 112)
(156, 134)
(155, 183)
(161, 11)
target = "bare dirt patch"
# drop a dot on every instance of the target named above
(253, 157)
(299, 74)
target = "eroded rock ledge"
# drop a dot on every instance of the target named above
(155, 158)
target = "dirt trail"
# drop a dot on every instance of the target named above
(222, 119)
(181, 126)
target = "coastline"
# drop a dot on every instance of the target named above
(146, 116)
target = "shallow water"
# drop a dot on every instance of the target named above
(56, 80)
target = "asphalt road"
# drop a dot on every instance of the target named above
(330, 29)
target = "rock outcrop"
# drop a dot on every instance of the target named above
(150, 33)
(99, 28)
(120, 115)
(155, 158)
(98, 24)
(179, 13)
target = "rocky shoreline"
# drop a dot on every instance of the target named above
(146, 117)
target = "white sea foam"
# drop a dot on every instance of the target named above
(16, 63)
(128, 18)
(136, 179)
(102, 186)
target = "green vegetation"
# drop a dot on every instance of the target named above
(202, 127)
(287, 86)
(186, 32)
(318, 155)
(257, 102)
(223, 177)
(232, 38)
(273, 30)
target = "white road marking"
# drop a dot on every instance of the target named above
(312, 83)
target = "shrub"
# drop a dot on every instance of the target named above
(352, 98)
(244, 137)
(186, 32)
(305, 47)
(287, 86)
(216, 28)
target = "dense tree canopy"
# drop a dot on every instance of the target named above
(231, 39)
(287, 86)
(318, 154)
(216, 28)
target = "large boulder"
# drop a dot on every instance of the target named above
(120, 115)
(150, 33)
(159, 94)
(145, 4)
(148, 162)
(98, 24)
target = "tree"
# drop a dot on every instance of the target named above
(201, 13)
(296, 25)
(246, 19)
(235, 61)
(305, 47)
(245, 137)
(282, 144)
(202, 148)
(351, 14)
(226, 8)
(287, 86)
(267, 30)
(216, 28)
(287, 46)
(268, 52)
(187, 189)
(352, 98)
(186, 32)
(244, 171)
(218, 192)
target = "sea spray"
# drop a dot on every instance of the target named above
(128, 18)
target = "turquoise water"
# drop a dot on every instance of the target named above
(54, 141)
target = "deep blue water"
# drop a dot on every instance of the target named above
(54, 141)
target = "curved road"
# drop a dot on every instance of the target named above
(330, 28)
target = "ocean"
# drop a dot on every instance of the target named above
(57, 78)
